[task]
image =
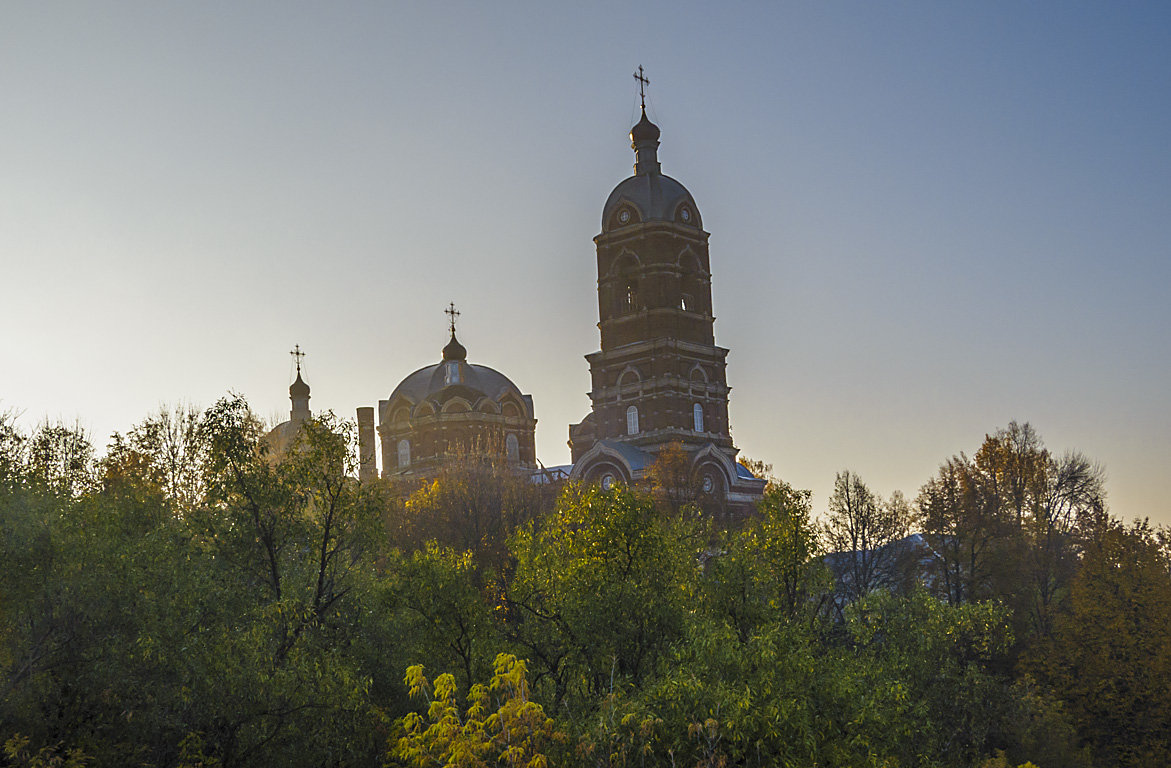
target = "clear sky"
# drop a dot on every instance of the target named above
(927, 219)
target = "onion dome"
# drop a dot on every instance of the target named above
(454, 350)
(299, 390)
(643, 131)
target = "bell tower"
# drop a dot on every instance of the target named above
(659, 378)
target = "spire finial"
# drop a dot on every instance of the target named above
(452, 313)
(643, 82)
(297, 355)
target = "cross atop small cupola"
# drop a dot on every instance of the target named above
(454, 350)
(297, 355)
(452, 315)
(643, 82)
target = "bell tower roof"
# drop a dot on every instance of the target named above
(648, 195)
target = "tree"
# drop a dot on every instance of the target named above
(502, 725)
(674, 485)
(1109, 655)
(60, 458)
(770, 569)
(1005, 523)
(601, 589)
(861, 531)
(441, 609)
(166, 449)
(473, 504)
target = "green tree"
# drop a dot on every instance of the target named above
(1109, 655)
(770, 569)
(473, 504)
(601, 589)
(442, 610)
(502, 725)
(167, 449)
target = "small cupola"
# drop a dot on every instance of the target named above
(454, 350)
(644, 139)
(299, 390)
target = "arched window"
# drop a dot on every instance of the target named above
(686, 303)
(632, 420)
(512, 447)
(452, 372)
(404, 454)
(697, 417)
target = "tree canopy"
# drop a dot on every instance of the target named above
(191, 598)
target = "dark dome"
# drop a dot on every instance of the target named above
(455, 377)
(644, 130)
(299, 388)
(475, 382)
(454, 350)
(654, 196)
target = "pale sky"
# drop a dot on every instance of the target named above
(927, 218)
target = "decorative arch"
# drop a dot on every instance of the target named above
(709, 456)
(425, 409)
(698, 376)
(457, 405)
(712, 479)
(486, 405)
(688, 261)
(629, 377)
(600, 460)
(511, 409)
(625, 262)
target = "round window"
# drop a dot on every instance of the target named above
(624, 216)
(685, 214)
(708, 484)
(607, 481)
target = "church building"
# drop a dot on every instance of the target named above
(657, 382)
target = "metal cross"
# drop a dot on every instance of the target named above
(297, 355)
(642, 84)
(452, 313)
